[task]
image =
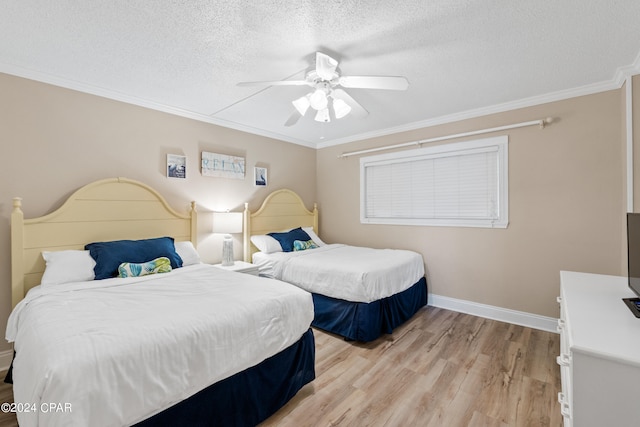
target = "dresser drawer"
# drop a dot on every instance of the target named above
(564, 361)
(599, 356)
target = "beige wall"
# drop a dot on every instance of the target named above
(566, 185)
(53, 141)
(565, 207)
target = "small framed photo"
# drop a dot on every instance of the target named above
(176, 166)
(260, 176)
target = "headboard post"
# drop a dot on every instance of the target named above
(108, 209)
(281, 210)
(17, 257)
(315, 218)
(193, 213)
(246, 236)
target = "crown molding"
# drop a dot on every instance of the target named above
(623, 73)
(122, 97)
(485, 111)
(616, 82)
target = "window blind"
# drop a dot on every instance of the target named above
(458, 183)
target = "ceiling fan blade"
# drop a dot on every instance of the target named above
(357, 110)
(293, 118)
(276, 83)
(374, 82)
(325, 66)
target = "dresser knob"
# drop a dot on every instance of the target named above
(563, 360)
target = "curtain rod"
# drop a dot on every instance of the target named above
(540, 122)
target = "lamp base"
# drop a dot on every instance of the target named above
(227, 252)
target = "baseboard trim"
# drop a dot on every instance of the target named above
(495, 313)
(5, 359)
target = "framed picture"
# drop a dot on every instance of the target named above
(222, 165)
(176, 166)
(260, 176)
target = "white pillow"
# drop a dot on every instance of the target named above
(67, 266)
(314, 236)
(188, 253)
(266, 244)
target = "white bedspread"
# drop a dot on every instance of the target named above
(350, 273)
(117, 351)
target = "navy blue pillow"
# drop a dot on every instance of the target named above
(286, 239)
(109, 255)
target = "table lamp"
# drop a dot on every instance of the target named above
(227, 223)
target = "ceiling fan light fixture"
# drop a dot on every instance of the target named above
(327, 95)
(323, 116)
(340, 108)
(302, 104)
(318, 99)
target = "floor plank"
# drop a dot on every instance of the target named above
(441, 368)
(6, 396)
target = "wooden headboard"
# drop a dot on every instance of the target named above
(110, 209)
(281, 210)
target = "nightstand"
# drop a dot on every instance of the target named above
(241, 267)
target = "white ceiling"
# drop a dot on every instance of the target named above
(461, 57)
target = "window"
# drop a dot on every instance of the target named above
(461, 184)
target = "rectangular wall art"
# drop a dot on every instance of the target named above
(176, 166)
(260, 176)
(222, 165)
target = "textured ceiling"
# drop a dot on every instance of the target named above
(460, 56)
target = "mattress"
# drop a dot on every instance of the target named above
(350, 273)
(116, 351)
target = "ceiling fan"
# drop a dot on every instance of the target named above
(326, 97)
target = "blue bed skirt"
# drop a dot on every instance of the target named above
(248, 397)
(359, 321)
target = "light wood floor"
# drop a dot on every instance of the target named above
(441, 368)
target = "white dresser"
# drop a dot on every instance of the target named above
(599, 352)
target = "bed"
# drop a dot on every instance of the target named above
(190, 345)
(358, 293)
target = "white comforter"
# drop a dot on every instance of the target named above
(116, 351)
(350, 273)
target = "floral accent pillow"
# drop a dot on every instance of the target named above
(158, 265)
(299, 245)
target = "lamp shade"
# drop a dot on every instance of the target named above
(323, 116)
(302, 104)
(340, 108)
(318, 99)
(227, 222)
